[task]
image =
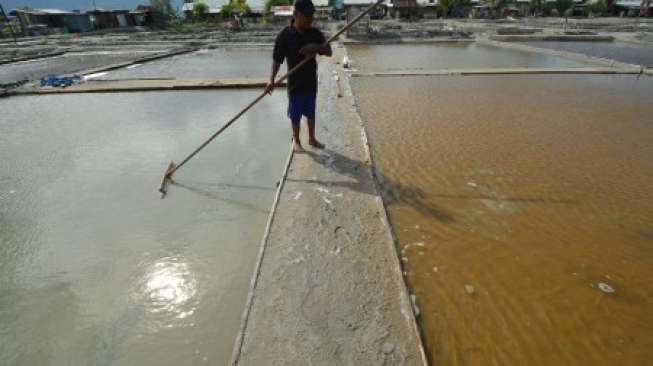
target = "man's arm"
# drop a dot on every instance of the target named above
(319, 46)
(278, 55)
(273, 75)
(325, 50)
(313, 49)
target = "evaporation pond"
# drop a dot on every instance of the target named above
(447, 55)
(523, 211)
(96, 268)
(215, 63)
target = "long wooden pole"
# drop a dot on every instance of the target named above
(170, 171)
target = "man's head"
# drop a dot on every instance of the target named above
(303, 15)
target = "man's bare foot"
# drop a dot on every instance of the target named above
(316, 144)
(297, 147)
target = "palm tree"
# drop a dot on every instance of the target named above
(563, 6)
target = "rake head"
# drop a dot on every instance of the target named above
(167, 177)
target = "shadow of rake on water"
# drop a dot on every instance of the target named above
(214, 196)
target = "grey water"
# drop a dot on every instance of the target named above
(96, 268)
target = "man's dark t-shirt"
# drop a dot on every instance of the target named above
(287, 46)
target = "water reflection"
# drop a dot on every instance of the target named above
(154, 280)
(169, 288)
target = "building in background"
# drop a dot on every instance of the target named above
(107, 19)
(48, 21)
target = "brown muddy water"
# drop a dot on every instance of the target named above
(236, 62)
(463, 55)
(523, 211)
(97, 269)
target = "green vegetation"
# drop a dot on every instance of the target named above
(448, 6)
(599, 8)
(165, 7)
(200, 10)
(180, 26)
(562, 6)
(536, 6)
(234, 6)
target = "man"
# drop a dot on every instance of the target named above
(297, 41)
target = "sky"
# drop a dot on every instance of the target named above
(84, 5)
(10, 5)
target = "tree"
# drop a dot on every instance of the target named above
(445, 7)
(238, 6)
(165, 7)
(536, 6)
(599, 7)
(563, 7)
(269, 4)
(449, 6)
(200, 10)
(496, 3)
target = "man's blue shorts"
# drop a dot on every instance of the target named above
(301, 104)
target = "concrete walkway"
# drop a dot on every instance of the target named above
(153, 84)
(510, 71)
(552, 37)
(328, 289)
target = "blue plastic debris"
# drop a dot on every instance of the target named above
(60, 80)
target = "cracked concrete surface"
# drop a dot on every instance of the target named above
(329, 289)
